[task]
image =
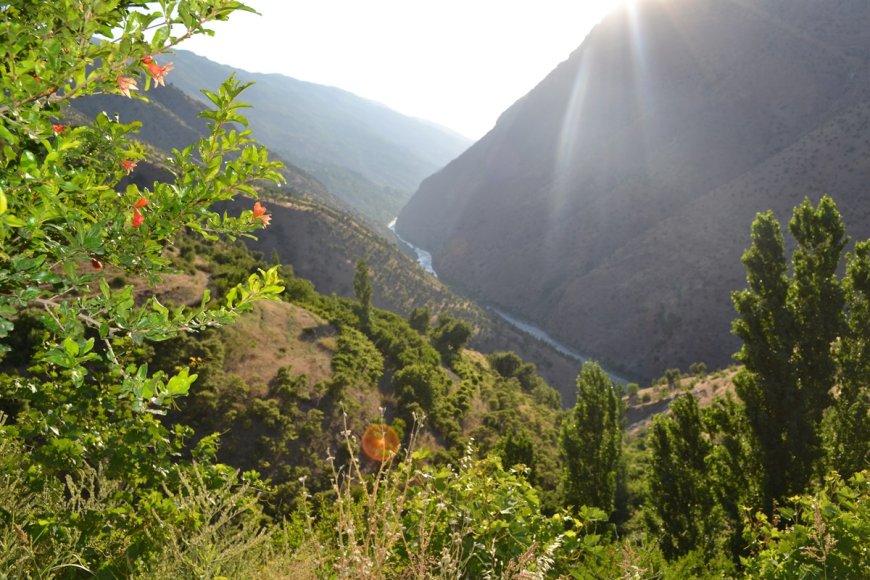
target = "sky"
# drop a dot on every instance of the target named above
(458, 63)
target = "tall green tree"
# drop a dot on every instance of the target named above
(362, 290)
(788, 325)
(680, 500)
(849, 431)
(590, 441)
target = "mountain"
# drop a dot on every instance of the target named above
(612, 203)
(321, 238)
(367, 154)
(169, 120)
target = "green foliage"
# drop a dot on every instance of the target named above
(821, 535)
(788, 326)
(450, 336)
(419, 320)
(671, 377)
(413, 520)
(591, 441)
(680, 499)
(85, 404)
(699, 369)
(356, 359)
(517, 448)
(507, 364)
(420, 386)
(848, 432)
(362, 290)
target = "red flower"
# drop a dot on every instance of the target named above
(141, 203)
(97, 265)
(129, 165)
(138, 218)
(125, 85)
(157, 72)
(145, 59)
(260, 214)
(58, 129)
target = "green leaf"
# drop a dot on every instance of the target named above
(71, 347)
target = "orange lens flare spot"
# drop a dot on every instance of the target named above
(380, 442)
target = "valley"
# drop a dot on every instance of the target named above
(625, 334)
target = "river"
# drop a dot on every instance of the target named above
(424, 258)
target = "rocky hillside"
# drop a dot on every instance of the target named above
(612, 203)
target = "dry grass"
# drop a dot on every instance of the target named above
(705, 389)
(275, 335)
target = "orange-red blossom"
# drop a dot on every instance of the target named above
(138, 218)
(158, 73)
(260, 214)
(129, 165)
(126, 84)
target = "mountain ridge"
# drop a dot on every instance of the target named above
(368, 154)
(572, 209)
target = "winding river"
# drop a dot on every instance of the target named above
(424, 258)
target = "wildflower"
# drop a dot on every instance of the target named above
(125, 85)
(260, 214)
(141, 203)
(129, 165)
(157, 72)
(138, 218)
(96, 264)
(58, 129)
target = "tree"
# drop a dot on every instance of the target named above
(848, 435)
(590, 441)
(362, 290)
(631, 389)
(87, 401)
(787, 327)
(450, 336)
(672, 377)
(517, 448)
(505, 363)
(679, 500)
(419, 319)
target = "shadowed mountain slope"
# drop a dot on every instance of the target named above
(612, 203)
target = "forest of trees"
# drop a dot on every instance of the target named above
(130, 447)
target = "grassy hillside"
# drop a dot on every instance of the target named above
(288, 378)
(323, 245)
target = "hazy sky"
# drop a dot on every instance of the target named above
(459, 63)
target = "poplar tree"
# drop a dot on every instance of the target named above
(590, 441)
(362, 290)
(849, 432)
(680, 499)
(788, 325)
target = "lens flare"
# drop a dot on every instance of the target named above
(380, 442)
